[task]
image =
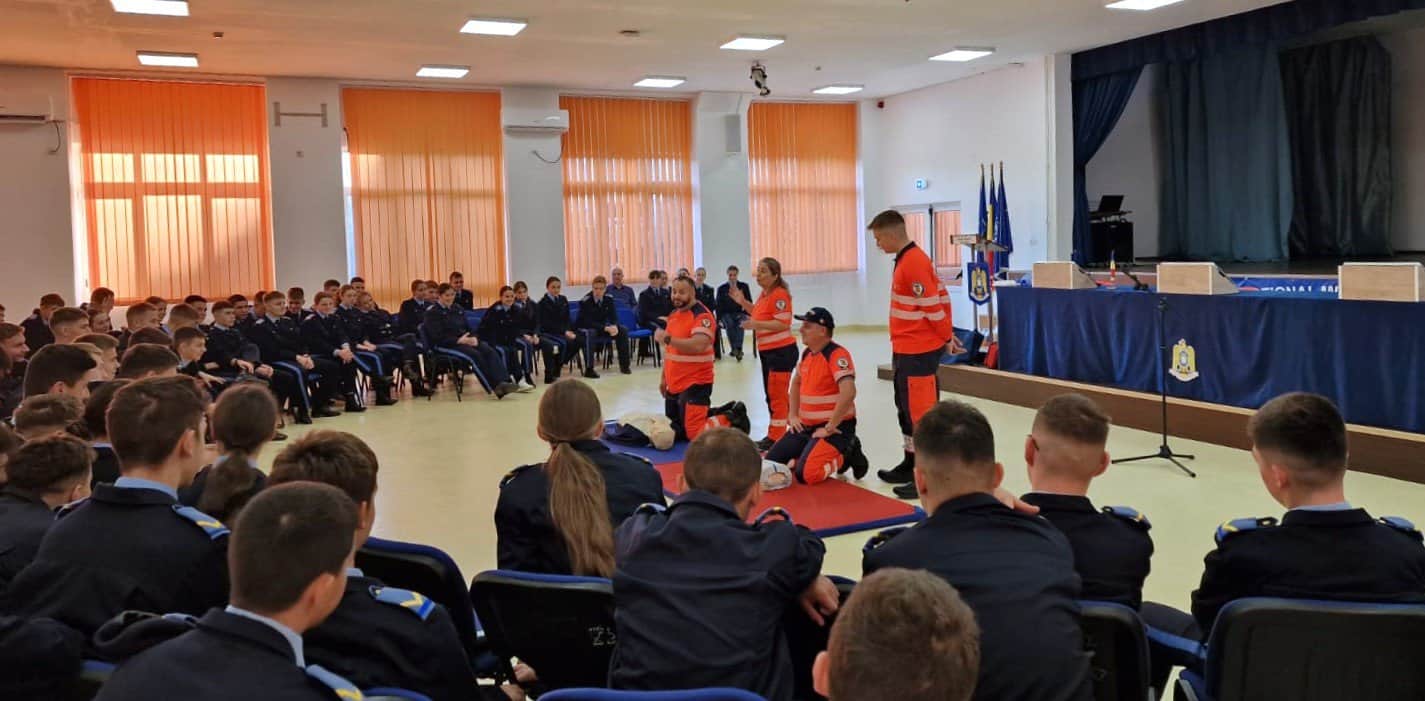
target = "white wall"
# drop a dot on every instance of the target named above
(308, 198)
(1407, 51)
(1129, 164)
(36, 236)
(724, 217)
(534, 194)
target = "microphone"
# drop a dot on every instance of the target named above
(1138, 285)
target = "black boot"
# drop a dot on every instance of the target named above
(906, 491)
(418, 382)
(382, 386)
(301, 415)
(590, 374)
(324, 411)
(856, 460)
(353, 405)
(903, 473)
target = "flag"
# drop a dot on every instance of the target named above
(984, 213)
(989, 231)
(1002, 236)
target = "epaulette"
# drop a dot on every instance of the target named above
(636, 456)
(513, 474)
(1401, 524)
(213, 527)
(69, 508)
(404, 598)
(650, 508)
(259, 322)
(339, 685)
(882, 538)
(1239, 525)
(1129, 514)
(774, 512)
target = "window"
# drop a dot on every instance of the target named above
(917, 225)
(427, 188)
(628, 186)
(947, 227)
(802, 180)
(175, 187)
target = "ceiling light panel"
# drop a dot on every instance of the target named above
(660, 81)
(963, 53)
(494, 27)
(838, 89)
(1140, 4)
(752, 43)
(168, 8)
(442, 71)
(168, 59)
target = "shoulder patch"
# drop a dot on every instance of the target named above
(69, 508)
(512, 474)
(650, 508)
(1128, 514)
(404, 598)
(213, 527)
(882, 538)
(343, 689)
(638, 457)
(1241, 525)
(1400, 524)
(774, 512)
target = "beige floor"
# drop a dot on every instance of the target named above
(441, 463)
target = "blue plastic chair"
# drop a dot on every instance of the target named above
(386, 693)
(560, 625)
(714, 694)
(432, 572)
(473, 318)
(455, 360)
(1117, 643)
(303, 377)
(1308, 650)
(637, 332)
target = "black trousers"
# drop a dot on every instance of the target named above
(620, 344)
(487, 359)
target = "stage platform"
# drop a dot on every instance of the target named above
(1376, 451)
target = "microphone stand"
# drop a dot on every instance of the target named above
(1138, 285)
(1164, 451)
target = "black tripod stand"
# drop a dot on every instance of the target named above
(1164, 452)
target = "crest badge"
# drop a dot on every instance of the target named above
(1184, 362)
(781, 305)
(707, 323)
(979, 282)
(843, 363)
(918, 289)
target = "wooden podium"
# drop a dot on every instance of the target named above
(1062, 275)
(1194, 279)
(1382, 282)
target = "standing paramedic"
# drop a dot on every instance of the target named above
(688, 363)
(771, 321)
(921, 333)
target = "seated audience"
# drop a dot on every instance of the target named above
(242, 311)
(556, 330)
(154, 335)
(160, 310)
(378, 635)
(106, 463)
(297, 304)
(108, 353)
(191, 344)
(101, 299)
(61, 370)
(1014, 570)
(12, 379)
(558, 517)
(730, 314)
(199, 303)
(183, 316)
(331, 286)
(43, 475)
(655, 303)
(288, 561)
(47, 414)
(130, 546)
(37, 329)
(445, 325)
(413, 310)
(9, 443)
(526, 321)
(381, 328)
(67, 324)
(244, 420)
(465, 299)
(100, 321)
(324, 335)
(890, 614)
(279, 340)
(1323, 548)
(147, 360)
(598, 317)
(700, 593)
(500, 329)
(618, 290)
(137, 318)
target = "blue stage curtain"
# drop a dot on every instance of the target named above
(1264, 27)
(1227, 190)
(1338, 109)
(1098, 103)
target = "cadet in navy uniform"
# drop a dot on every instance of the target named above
(289, 559)
(465, 299)
(413, 310)
(445, 325)
(655, 302)
(324, 335)
(527, 333)
(556, 330)
(598, 317)
(378, 635)
(708, 296)
(500, 330)
(43, 475)
(233, 355)
(1014, 570)
(729, 313)
(379, 327)
(578, 540)
(1323, 548)
(279, 340)
(700, 594)
(131, 545)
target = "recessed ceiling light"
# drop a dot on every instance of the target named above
(1140, 4)
(442, 71)
(660, 81)
(494, 27)
(838, 89)
(168, 59)
(170, 8)
(752, 43)
(963, 53)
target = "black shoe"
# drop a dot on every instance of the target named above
(765, 444)
(384, 399)
(353, 406)
(625, 370)
(550, 379)
(855, 460)
(900, 474)
(589, 373)
(738, 355)
(301, 416)
(323, 412)
(906, 491)
(278, 436)
(505, 388)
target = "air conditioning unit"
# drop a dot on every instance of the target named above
(25, 108)
(534, 122)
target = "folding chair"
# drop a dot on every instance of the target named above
(1307, 650)
(432, 572)
(1118, 649)
(637, 332)
(441, 361)
(386, 693)
(304, 391)
(805, 639)
(562, 626)
(715, 694)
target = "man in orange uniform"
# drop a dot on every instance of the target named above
(920, 333)
(821, 433)
(688, 363)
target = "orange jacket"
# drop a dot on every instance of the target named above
(920, 305)
(821, 375)
(774, 306)
(683, 370)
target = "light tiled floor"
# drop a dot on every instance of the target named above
(441, 463)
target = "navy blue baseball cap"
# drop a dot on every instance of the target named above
(819, 316)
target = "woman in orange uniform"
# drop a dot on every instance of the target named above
(771, 319)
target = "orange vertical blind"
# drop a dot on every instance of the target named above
(427, 188)
(947, 227)
(802, 180)
(175, 181)
(917, 225)
(628, 186)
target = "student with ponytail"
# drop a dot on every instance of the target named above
(558, 517)
(244, 420)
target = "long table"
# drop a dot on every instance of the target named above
(1369, 357)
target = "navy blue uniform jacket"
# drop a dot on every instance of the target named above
(1112, 548)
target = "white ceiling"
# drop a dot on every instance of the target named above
(575, 44)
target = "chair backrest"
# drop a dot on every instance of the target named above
(473, 317)
(1266, 648)
(561, 626)
(393, 694)
(716, 694)
(428, 570)
(626, 316)
(1118, 649)
(573, 314)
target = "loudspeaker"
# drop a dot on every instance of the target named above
(732, 127)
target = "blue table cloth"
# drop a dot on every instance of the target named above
(1368, 357)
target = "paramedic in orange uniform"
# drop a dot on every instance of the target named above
(821, 433)
(771, 319)
(688, 363)
(921, 333)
